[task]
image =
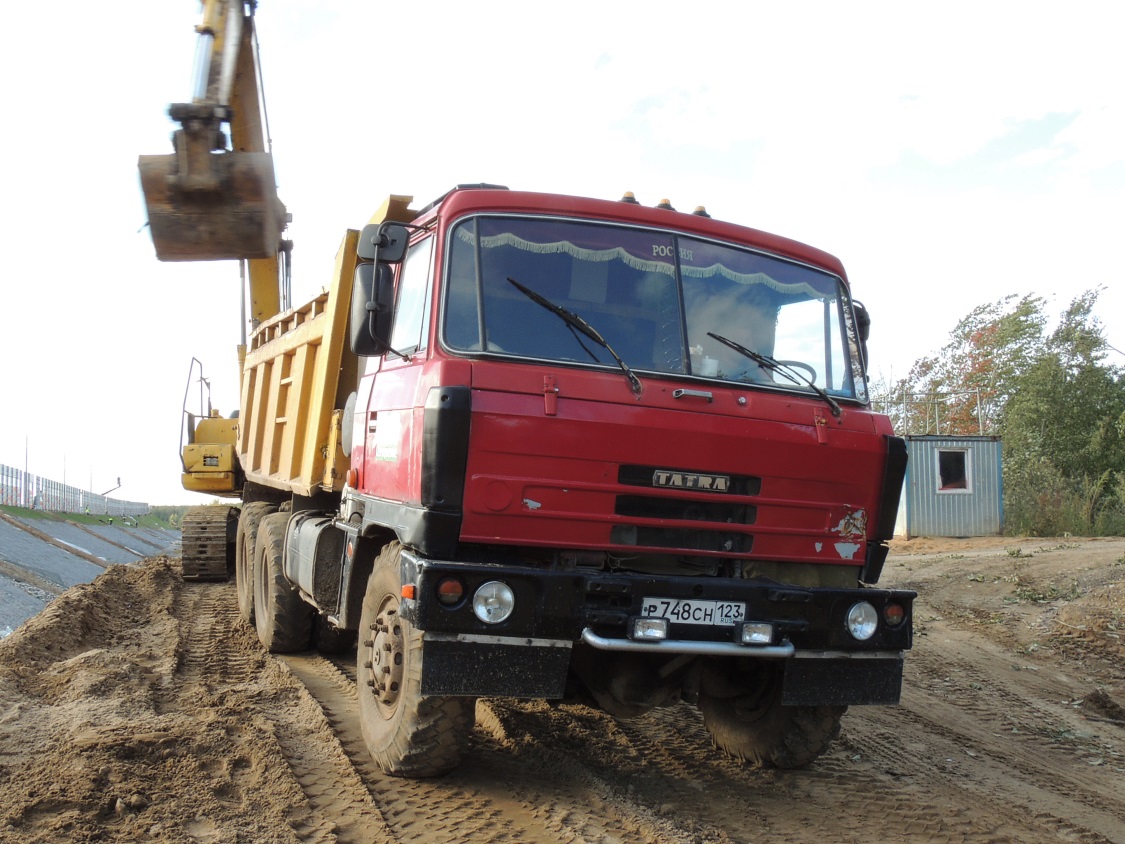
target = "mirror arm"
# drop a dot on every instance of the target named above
(372, 310)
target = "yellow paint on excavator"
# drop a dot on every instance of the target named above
(209, 459)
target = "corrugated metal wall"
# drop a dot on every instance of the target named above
(934, 505)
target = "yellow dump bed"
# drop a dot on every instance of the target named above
(298, 371)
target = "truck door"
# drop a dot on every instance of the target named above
(393, 418)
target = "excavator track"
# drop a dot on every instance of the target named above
(208, 535)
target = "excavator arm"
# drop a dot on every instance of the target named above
(207, 201)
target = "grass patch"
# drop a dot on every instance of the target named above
(149, 520)
(1039, 595)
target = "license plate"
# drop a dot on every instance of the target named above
(687, 611)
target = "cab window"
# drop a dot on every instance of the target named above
(412, 308)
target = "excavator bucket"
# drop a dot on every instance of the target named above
(227, 209)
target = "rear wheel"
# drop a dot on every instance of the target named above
(757, 728)
(248, 522)
(408, 735)
(284, 622)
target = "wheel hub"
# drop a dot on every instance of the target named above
(385, 656)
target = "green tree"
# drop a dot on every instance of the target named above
(1066, 415)
(1055, 401)
(964, 387)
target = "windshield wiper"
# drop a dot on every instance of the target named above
(574, 321)
(766, 362)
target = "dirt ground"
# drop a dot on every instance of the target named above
(137, 708)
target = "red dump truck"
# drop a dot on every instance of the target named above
(539, 446)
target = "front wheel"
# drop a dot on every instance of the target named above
(408, 735)
(757, 728)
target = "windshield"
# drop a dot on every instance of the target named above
(655, 297)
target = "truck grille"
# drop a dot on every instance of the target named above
(684, 540)
(718, 508)
(723, 512)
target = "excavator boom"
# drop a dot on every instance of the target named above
(210, 202)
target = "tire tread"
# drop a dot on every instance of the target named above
(285, 622)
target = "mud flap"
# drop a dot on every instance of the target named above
(485, 666)
(847, 681)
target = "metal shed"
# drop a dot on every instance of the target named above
(954, 487)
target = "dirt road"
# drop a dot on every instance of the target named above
(137, 708)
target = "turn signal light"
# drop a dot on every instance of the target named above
(450, 591)
(893, 614)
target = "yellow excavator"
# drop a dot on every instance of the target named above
(214, 198)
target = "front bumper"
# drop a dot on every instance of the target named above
(527, 655)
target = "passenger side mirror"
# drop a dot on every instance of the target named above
(372, 309)
(862, 327)
(862, 321)
(383, 242)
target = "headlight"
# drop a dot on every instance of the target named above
(862, 621)
(493, 602)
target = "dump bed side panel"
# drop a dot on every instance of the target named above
(298, 370)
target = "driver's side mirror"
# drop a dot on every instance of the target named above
(372, 309)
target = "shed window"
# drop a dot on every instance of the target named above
(953, 470)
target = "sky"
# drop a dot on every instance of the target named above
(949, 154)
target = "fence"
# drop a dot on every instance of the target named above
(925, 413)
(22, 489)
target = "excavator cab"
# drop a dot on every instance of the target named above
(208, 532)
(207, 443)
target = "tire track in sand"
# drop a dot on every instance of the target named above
(467, 805)
(217, 656)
